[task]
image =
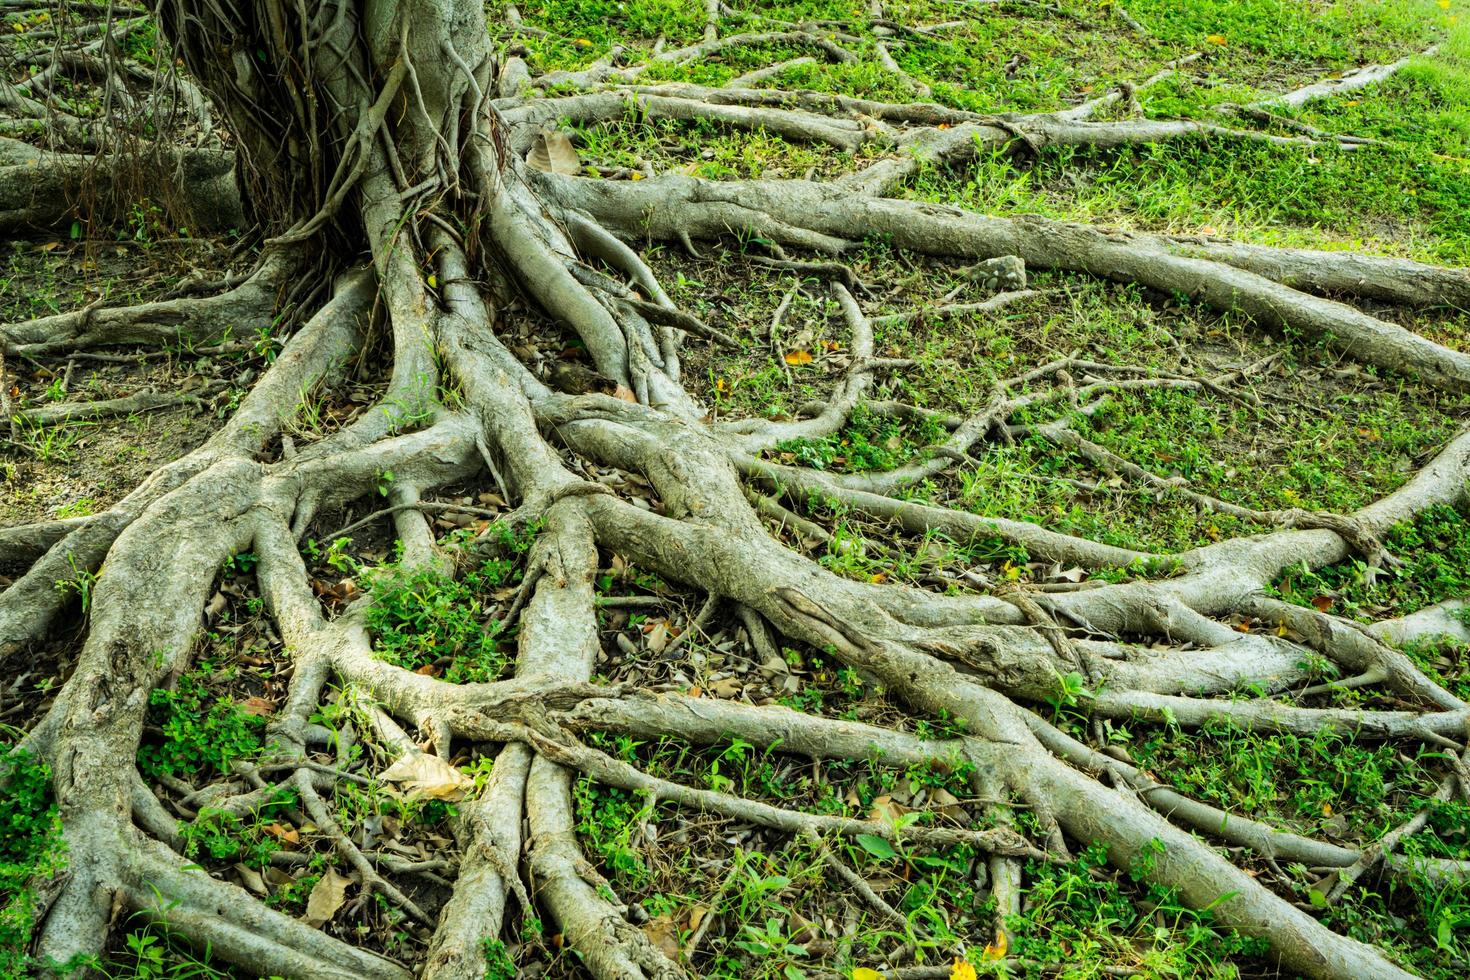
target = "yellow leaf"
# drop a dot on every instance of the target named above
(1352, 101)
(994, 951)
(433, 281)
(636, 175)
(1326, 809)
(962, 970)
(1216, 39)
(1281, 628)
(798, 357)
(1444, 4)
(864, 973)
(582, 42)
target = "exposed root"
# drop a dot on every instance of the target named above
(418, 168)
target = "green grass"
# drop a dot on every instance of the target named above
(1433, 552)
(1332, 786)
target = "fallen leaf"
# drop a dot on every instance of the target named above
(1322, 603)
(664, 935)
(798, 357)
(250, 878)
(553, 152)
(427, 775)
(727, 688)
(286, 835)
(866, 973)
(327, 896)
(993, 951)
(963, 970)
(884, 808)
(259, 707)
(1216, 39)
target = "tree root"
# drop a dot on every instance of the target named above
(419, 169)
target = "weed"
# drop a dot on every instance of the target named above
(31, 850)
(196, 732)
(424, 618)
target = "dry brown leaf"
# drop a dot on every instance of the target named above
(428, 775)
(553, 152)
(727, 688)
(250, 878)
(257, 706)
(327, 896)
(657, 637)
(286, 835)
(664, 934)
(884, 808)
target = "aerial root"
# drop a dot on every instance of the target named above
(240, 929)
(143, 401)
(1336, 885)
(1264, 715)
(41, 189)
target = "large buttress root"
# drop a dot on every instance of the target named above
(391, 145)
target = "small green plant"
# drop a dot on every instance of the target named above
(31, 850)
(81, 507)
(223, 836)
(498, 964)
(50, 443)
(240, 564)
(869, 442)
(771, 941)
(425, 619)
(82, 582)
(197, 732)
